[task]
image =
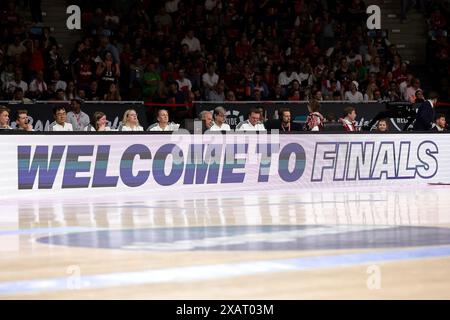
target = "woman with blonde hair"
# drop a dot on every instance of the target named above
(130, 121)
(98, 123)
(4, 118)
(371, 88)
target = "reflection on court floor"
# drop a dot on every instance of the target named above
(283, 237)
(124, 242)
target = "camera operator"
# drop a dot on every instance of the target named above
(399, 109)
(405, 110)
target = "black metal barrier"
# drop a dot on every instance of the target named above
(40, 113)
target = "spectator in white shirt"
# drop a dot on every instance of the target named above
(16, 48)
(19, 98)
(210, 79)
(211, 4)
(410, 92)
(130, 121)
(306, 77)
(38, 87)
(184, 84)
(375, 65)
(7, 75)
(59, 84)
(286, 77)
(218, 94)
(192, 42)
(163, 19)
(352, 57)
(253, 123)
(219, 120)
(207, 120)
(22, 121)
(77, 118)
(163, 123)
(17, 83)
(98, 123)
(354, 96)
(172, 6)
(60, 124)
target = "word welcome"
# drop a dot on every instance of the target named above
(169, 164)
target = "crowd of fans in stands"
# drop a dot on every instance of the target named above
(178, 51)
(437, 13)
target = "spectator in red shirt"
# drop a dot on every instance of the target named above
(242, 48)
(348, 122)
(84, 70)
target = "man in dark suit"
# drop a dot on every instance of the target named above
(424, 118)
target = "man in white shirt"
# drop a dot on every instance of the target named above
(22, 121)
(172, 6)
(184, 84)
(219, 120)
(354, 96)
(19, 98)
(59, 84)
(211, 4)
(77, 118)
(17, 83)
(163, 123)
(218, 93)
(192, 42)
(207, 120)
(60, 124)
(7, 75)
(210, 79)
(253, 123)
(410, 92)
(286, 77)
(16, 48)
(38, 86)
(440, 124)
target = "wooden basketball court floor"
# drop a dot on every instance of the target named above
(372, 243)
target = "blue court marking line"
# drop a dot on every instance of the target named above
(217, 271)
(32, 231)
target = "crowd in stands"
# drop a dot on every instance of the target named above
(437, 13)
(179, 51)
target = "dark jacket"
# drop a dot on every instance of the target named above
(424, 118)
(435, 129)
(276, 124)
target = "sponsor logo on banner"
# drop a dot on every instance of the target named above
(233, 117)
